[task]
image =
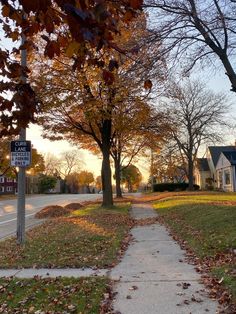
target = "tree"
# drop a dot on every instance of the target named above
(98, 183)
(85, 178)
(169, 165)
(46, 183)
(193, 31)
(52, 164)
(195, 114)
(72, 182)
(132, 177)
(5, 156)
(135, 132)
(80, 106)
(63, 165)
(72, 28)
(37, 163)
(70, 161)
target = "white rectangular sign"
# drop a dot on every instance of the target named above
(20, 153)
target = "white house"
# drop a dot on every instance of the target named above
(225, 171)
(209, 172)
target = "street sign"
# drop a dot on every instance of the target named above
(20, 153)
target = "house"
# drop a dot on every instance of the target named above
(8, 185)
(209, 172)
(202, 173)
(225, 171)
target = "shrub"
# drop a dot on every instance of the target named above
(161, 187)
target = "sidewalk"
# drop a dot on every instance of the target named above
(152, 277)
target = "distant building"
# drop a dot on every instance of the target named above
(8, 185)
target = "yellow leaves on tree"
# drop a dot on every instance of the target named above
(85, 178)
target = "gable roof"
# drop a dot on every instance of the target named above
(215, 152)
(231, 156)
(202, 164)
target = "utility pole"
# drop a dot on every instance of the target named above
(20, 233)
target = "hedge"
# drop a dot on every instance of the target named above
(161, 187)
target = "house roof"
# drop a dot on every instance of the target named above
(231, 156)
(202, 164)
(215, 152)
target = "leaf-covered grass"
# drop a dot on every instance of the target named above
(154, 196)
(90, 237)
(58, 295)
(227, 273)
(208, 224)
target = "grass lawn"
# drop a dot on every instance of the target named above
(59, 295)
(208, 224)
(90, 237)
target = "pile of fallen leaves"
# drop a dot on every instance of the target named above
(73, 206)
(52, 211)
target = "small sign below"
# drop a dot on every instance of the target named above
(20, 153)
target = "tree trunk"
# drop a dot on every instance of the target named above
(106, 179)
(130, 187)
(190, 174)
(118, 179)
(106, 167)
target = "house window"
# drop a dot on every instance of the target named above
(9, 188)
(2, 189)
(227, 177)
(9, 179)
(1, 179)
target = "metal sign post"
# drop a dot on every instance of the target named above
(20, 231)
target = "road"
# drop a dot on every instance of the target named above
(8, 209)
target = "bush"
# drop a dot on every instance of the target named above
(46, 183)
(171, 187)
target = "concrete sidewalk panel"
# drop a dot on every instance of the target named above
(65, 272)
(150, 233)
(129, 271)
(142, 211)
(140, 215)
(162, 298)
(155, 248)
(8, 272)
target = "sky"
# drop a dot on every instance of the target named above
(89, 161)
